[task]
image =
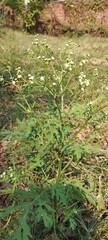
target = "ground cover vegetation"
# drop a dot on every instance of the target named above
(53, 118)
(29, 13)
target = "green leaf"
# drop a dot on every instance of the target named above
(16, 235)
(7, 211)
(23, 232)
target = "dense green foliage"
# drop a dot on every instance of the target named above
(31, 15)
(17, 5)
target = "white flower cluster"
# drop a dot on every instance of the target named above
(18, 72)
(46, 59)
(83, 62)
(37, 42)
(84, 82)
(11, 172)
(69, 65)
(71, 53)
(18, 75)
(3, 175)
(31, 78)
(95, 72)
(8, 173)
(42, 78)
(1, 78)
(30, 52)
(71, 45)
(89, 103)
(67, 45)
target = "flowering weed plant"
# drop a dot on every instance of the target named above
(47, 191)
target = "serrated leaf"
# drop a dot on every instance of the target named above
(7, 211)
(23, 232)
(73, 223)
(25, 229)
(16, 235)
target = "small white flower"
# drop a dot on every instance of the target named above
(82, 89)
(13, 82)
(3, 175)
(31, 77)
(30, 52)
(31, 82)
(36, 43)
(52, 58)
(47, 59)
(19, 76)
(11, 175)
(72, 62)
(81, 83)
(95, 72)
(87, 82)
(84, 61)
(18, 68)
(1, 78)
(42, 78)
(66, 65)
(36, 39)
(54, 84)
(71, 53)
(14, 179)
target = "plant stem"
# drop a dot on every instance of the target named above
(62, 98)
(59, 171)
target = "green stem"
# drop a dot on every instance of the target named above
(62, 98)
(59, 171)
(58, 178)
